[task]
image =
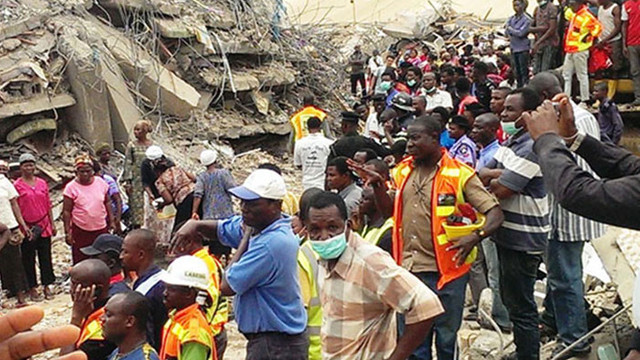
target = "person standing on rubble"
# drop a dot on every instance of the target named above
(514, 177)
(13, 274)
(310, 155)
(35, 205)
(357, 62)
(212, 189)
(299, 120)
(263, 273)
(518, 29)
(581, 34)
(545, 28)
(86, 211)
(132, 177)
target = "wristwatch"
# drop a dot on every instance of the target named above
(577, 142)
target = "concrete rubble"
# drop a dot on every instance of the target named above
(97, 67)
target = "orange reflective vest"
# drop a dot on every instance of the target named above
(91, 328)
(185, 326)
(218, 314)
(449, 180)
(583, 28)
(299, 120)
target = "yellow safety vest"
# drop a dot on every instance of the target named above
(308, 261)
(373, 235)
(186, 325)
(299, 120)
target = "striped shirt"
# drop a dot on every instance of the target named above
(567, 226)
(360, 296)
(526, 214)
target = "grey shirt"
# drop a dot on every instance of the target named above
(351, 196)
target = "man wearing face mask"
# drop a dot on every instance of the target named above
(263, 273)
(359, 318)
(413, 80)
(435, 97)
(514, 177)
(564, 312)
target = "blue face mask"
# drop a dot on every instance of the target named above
(331, 248)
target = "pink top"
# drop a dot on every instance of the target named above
(34, 204)
(89, 212)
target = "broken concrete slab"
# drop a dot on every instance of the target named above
(123, 111)
(36, 105)
(261, 100)
(30, 128)
(90, 115)
(14, 29)
(175, 28)
(274, 75)
(250, 79)
(172, 94)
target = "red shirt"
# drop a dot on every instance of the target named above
(631, 14)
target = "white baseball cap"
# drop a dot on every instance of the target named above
(262, 183)
(154, 152)
(208, 157)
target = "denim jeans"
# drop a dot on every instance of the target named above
(564, 303)
(277, 346)
(498, 311)
(445, 326)
(518, 271)
(520, 64)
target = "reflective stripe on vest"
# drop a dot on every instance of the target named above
(218, 313)
(308, 261)
(91, 328)
(374, 235)
(184, 326)
(583, 29)
(299, 120)
(449, 180)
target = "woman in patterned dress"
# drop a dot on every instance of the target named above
(134, 156)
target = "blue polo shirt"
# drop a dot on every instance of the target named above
(265, 278)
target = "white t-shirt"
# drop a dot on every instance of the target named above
(373, 125)
(311, 152)
(7, 193)
(439, 98)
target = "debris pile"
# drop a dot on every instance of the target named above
(226, 69)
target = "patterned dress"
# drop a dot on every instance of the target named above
(134, 156)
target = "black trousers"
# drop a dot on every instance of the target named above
(277, 346)
(42, 247)
(12, 269)
(355, 79)
(221, 343)
(183, 212)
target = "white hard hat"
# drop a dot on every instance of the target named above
(154, 152)
(187, 271)
(262, 183)
(208, 157)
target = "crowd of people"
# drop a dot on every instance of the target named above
(463, 169)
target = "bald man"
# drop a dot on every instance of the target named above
(89, 293)
(137, 255)
(419, 105)
(125, 324)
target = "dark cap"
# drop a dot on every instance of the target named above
(350, 116)
(402, 101)
(379, 97)
(103, 244)
(460, 121)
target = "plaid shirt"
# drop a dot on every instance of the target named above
(360, 296)
(567, 226)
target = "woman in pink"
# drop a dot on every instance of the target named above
(86, 208)
(35, 206)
